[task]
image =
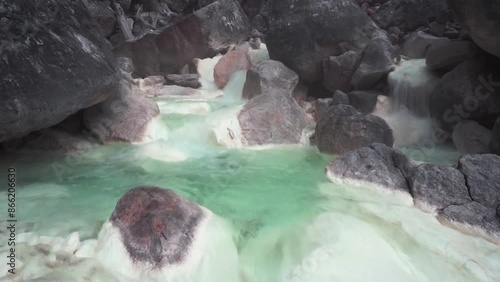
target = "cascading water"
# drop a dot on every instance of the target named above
(285, 219)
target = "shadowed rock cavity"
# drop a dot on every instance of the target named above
(157, 226)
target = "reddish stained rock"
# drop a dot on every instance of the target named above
(157, 225)
(230, 63)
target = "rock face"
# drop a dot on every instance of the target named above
(482, 21)
(338, 71)
(204, 33)
(337, 26)
(466, 196)
(364, 101)
(272, 118)
(102, 12)
(269, 77)
(408, 14)
(58, 66)
(471, 138)
(446, 55)
(471, 91)
(343, 129)
(124, 117)
(230, 63)
(392, 167)
(495, 138)
(418, 43)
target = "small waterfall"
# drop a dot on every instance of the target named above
(411, 85)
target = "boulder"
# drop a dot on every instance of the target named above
(204, 33)
(269, 77)
(230, 63)
(418, 43)
(343, 129)
(470, 137)
(481, 19)
(102, 12)
(302, 42)
(123, 117)
(272, 118)
(472, 214)
(51, 140)
(58, 65)
(364, 101)
(376, 63)
(408, 15)
(321, 107)
(338, 71)
(483, 178)
(495, 138)
(376, 165)
(191, 80)
(157, 235)
(178, 6)
(125, 64)
(435, 187)
(340, 98)
(471, 91)
(446, 55)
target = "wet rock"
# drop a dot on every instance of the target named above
(483, 178)
(418, 43)
(102, 12)
(336, 27)
(338, 71)
(340, 98)
(268, 76)
(230, 63)
(59, 65)
(343, 129)
(364, 101)
(179, 6)
(470, 137)
(124, 117)
(57, 141)
(375, 164)
(435, 187)
(482, 20)
(446, 55)
(185, 80)
(321, 107)
(473, 214)
(409, 14)
(201, 34)
(471, 91)
(495, 138)
(272, 118)
(377, 62)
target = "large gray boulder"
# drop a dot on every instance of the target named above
(268, 76)
(481, 18)
(446, 55)
(338, 71)
(495, 138)
(376, 164)
(343, 129)
(418, 43)
(201, 34)
(272, 118)
(303, 33)
(473, 214)
(471, 91)
(55, 61)
(470, 137)
(408, 15)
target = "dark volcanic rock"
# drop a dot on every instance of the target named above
(230, 63)
(481, 19)
(340, 98)
(472, 214)
(471, 91)
(303, 33)
(54, 61)
(376, 164)
(185, 80)
(204, 33)
(268, 76)
(471, 138)
(409, 14)
(364, 101)
(272, 118)
(482, 175)
(438, 186)
(123, 117)
(446, 55)
(418, 43)
(156, 225)
(338, 71)
(495, 138)
(343, 129)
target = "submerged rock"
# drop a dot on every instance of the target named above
(302, 34)
(191, 80)
(54, 62)
(418, 43)
(364, 101)
(471, 138)
(272, 118)
(206, 32)
(269, 77)
(343, 129)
